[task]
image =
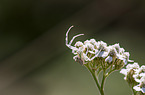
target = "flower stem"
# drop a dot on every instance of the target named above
(133, 91)
(96, 80)
(102, 84)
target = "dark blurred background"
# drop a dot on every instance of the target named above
(34, 59)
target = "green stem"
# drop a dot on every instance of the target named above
(102, 84)
(99, 71)
(131, 86)
(111, 70)
(94, 77)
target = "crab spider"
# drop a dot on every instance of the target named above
(83, 55)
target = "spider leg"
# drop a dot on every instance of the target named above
(66, 39)
(69, 45)
(96, 54)
(74, 38)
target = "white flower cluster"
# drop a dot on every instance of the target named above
(91, 49)
(138, 75)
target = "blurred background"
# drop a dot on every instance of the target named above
(34, 59)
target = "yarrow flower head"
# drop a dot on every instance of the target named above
(130, 69)
(141, 85)
(92, 50)
(98, 57)
(139, 77)
(135, 76)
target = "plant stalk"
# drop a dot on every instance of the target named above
(101, 89)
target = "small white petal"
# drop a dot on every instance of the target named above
(137, 80)
(121, 50)
(124, 78)
(74, 50)
(142, 74)
(85, 57)
(92, 41)
(102, 45)
(143, 66)
(119, 57)
(142, 69)
(89, 46)
(126, 55)
(78, 44)
(75, 57)
(124, 71)
(133, 66)
(86, 42)
(105, 54)
(117, 47)
(137, 88)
